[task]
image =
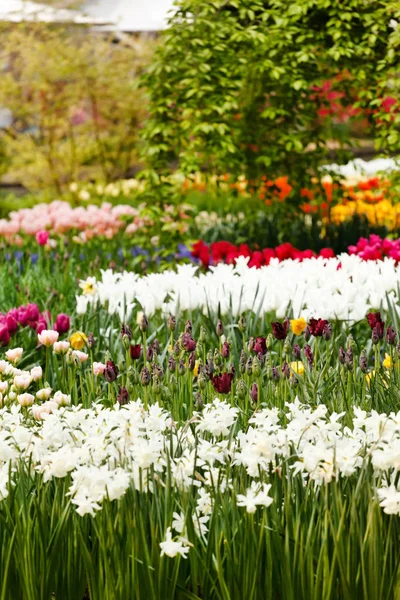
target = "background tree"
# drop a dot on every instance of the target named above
(242, 86)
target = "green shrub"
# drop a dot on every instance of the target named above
(236, 86)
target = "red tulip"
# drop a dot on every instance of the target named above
(222, 383)
(135, 351)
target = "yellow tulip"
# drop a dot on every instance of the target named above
(387, 363)
(78, 340)
(196, 368)
(298, 325)
(298, 367)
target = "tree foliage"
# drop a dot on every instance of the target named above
(237, 85)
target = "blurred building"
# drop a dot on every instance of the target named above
(130, 15)
(110, 15)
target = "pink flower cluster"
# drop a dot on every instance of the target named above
(376, 248)
(60, 217)
(29, 316)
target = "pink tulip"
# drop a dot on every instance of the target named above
(42, 237)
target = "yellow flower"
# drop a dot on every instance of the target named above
(78, 340)
(88, 286)
(298, 325)
(196, 368)
(387, 363)
(297, 366)
(369, 376)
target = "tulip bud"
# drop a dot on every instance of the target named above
(350, 343)
(242, 362)
(157, 371)
(202, 334)
(250, 344)
(261, 358)
(181, 367)
(171, 323)
(254, 393)
(173, 384)
(143, 324)
(309, 355)
(201, 381)
(241, 389)
(217, 358)
(171, 364)
(191, 361)
(297, 352)
(145, 376)
(256, 367)
(166, 394)
(219, 328)
(199, 404)
(249, 366)
(391, 336)
(126, 331)
(269, 341)
(188, 327)
(348, 359)
(242, 323)
(327, 332)
(363, 361)
(156, 346)
(111, 371)
(133, 375)
(177, 348)
(156, 385)
(91, 342)
(149, 353)
(307, 333)
(375, 336)
(126, 341)
(275, 374)
(342, 356)
(285, 370)
(287, 347)
(231, 370)
(210, 366)
(225, 350)
(123, 396)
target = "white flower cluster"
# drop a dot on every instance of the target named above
(343, 288)
(359, 167)
(106, 451)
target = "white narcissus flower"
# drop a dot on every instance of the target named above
(25, 399)
(171, 548)
(256, 495)
(88, 286)
(14, 354)
(389, 500)
(47, 337)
